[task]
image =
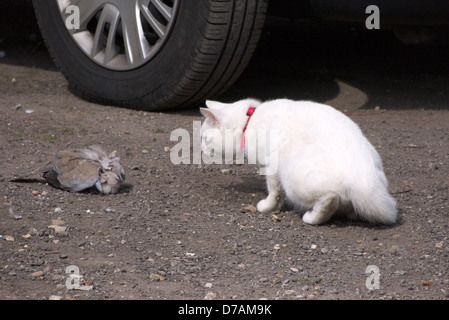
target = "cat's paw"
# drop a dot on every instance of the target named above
(310, 218)
(266, 205)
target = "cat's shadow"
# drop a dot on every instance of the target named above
(340, 220)
(251, 184)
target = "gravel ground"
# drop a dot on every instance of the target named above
(191, 231)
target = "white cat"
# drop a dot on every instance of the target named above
(325, 163)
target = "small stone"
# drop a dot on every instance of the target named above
(313, 246)
(394, 250)
(33, 232)
(109, 210)
(47, 269)
(54, 297)
(85, 288)
(289, 292)
(145, 151)
(251, 208)
(208, 285)
(324, 250)
(428, 283)
(439, 245)
(58, 229)
(294, 269)
(277, 247)
(166, 149)
(37, 263)
(210, 296)
(226, 171)
(275, 217)
(14, 215)
(9, 238)
(37, 274)
(157, 277)
(57, 222)
(57, 210)
(35, 193)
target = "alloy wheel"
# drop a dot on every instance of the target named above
(120, 34)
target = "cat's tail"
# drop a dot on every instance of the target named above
(375, 205)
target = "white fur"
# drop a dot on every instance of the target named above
(325, 163)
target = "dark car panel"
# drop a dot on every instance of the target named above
(392, 12)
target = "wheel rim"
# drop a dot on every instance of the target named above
(119, 34)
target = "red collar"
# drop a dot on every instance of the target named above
(249, 113)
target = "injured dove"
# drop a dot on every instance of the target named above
(78, 169)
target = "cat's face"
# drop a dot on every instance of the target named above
(212, 129)
(223, 126)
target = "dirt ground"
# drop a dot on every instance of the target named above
(187, 231)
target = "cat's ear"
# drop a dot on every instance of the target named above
(215, 105)
(213, 115)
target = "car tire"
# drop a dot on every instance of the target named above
(208, 47)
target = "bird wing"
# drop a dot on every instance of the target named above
(72, 172)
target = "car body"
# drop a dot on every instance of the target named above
(393, 13)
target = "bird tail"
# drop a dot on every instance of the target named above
(33, 175)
